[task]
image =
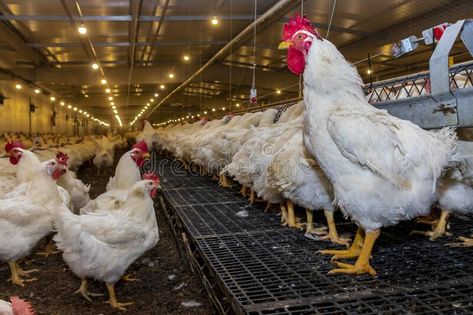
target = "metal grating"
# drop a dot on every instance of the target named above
(461, 76)
(221, 218)
(266, 269)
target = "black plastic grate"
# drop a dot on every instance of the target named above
(199, 195)
(224, 218)
(267, 269)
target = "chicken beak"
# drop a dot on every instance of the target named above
(147, 156)
(285, 44)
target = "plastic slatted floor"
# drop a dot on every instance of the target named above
(268, 269)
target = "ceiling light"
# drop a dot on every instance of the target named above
(238, 105)
(37, 91)
(115, 111)
(75, 108)
(205, 112)
(171, 75)
(223, 108)
(88, 115)
(112, 103)
(110, 98)
(82, 29)
(368, 71)
(69, 106)
(186, 58)
(147, 104)
(80, 111)
(95, 66)
(151, 100)
(18, 86)
(52, 98)
(62, 103)
(114, 107)
(85, 113)
(103, 81)
(213, 109)
(86, 95)
(214, 21)
(198, 115)
(156, 94)
(278, 91)
(162, 86)
(107, 90)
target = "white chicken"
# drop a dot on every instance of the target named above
(27, 217)
(298, 178)
(382, 169)
(454, 191)
(103, 245)
(126, 175)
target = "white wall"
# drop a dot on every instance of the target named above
(14, 113)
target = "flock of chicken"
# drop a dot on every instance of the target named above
(40, 194)
(332, 151)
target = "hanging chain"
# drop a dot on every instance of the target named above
(331, 18)
(300, 75)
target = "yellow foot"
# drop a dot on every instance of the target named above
(353, 252)
(427, 220)
(317, 231)
(84, 292)
(49, 250)
(464, 242)
(336, 239)
(433, 235)
(118, 305)
(129, 278)
(22, 272)
(356, 269)
(20, 281)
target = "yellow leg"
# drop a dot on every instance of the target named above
(113, 298)
(252, 196)
(84, 292)
(362, 264)
(225, 181)
(310, 224)
(283, 213)
(243, 191)
(291, 217)
(439, 229)
(352, 252)
(49, 249)
(268, 206)
(332, 231)
(15, 277)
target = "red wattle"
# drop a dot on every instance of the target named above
(14, 160)
(58, 173)
(295, 60)
(153, 193)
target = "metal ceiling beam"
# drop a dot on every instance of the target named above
(138, 44)
(9, 36)
(169, 18)
(274, 13)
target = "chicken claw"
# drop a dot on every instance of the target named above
(15, 275)
(113, 299)
(22, 272)
(465, 242)
(84, 292)
(336, 239)
(439, 229)
(356, 269)
(48, 250)
(129, 278)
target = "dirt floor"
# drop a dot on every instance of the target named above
(164, 281)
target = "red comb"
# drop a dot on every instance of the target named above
(141, 146)
(62, 158)
(21, 307)
(14, 144)
(151, 176)
(298, 23)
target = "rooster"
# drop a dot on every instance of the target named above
(127, 174)
(382, 169)
(27, 218)
(103, 245)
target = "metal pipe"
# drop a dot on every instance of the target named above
(281, 5)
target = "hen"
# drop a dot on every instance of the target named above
(382, 169)
(27, 217)
(126, 175)
(103, 245)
